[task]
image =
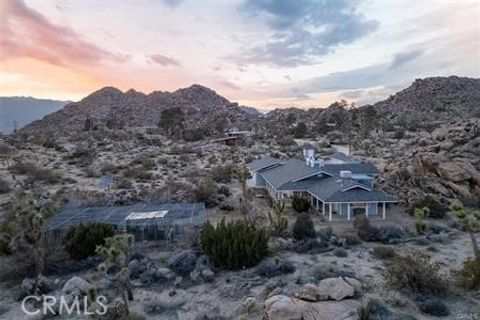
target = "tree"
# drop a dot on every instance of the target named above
(117, 253)
(171, 121)
(303, 227)
(278, 223)
(81, 241)
(300, 130)
(242, 174)
(471, 222)
(27, 230)
(234, 244)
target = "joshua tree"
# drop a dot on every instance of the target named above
(242, 174)
(117, 253)
(28, 235)
(278, 223)
(420, 215)
(471, 222)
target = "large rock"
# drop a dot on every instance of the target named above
(183, 263)
(38, 286)
(328, 310)
(337, 288)
(311, 293)
(282, 308)
(76, 286)
(455, 171)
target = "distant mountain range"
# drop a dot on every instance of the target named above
(430, 99)
(19, 111)
(202, 107)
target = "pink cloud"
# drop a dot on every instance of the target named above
(28, 33)
(163, 60)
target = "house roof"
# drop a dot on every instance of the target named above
(292, 169)
(361, 195)
(263, 163)
(285, 177)
(333, 189)
(355, 168)
(343, 157)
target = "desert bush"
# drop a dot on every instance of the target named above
(415, 273)
(303, 227)
(44, 175)
(82, 240)
(364, 230)
(4, 186)
(470, 274)
(436, 209)
(206, 191)
(82, 156)
(278, 223)
(138, 173)
(275, 267)
(222, 174)
(22, 167)
(325, 271)
(193, 135)
(383, 252)
(300, 204)
(108, 167)
(144, 161)
(224, 190)
(234, 244)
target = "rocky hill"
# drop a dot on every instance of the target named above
(435, 99)
(424, 102)
(202, 108)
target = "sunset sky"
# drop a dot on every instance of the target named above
(261, 53)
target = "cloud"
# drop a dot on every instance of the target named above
(163, 60)
(172, 3)
(229, 85)
(27, 33)
(402, 58)
(303, 30)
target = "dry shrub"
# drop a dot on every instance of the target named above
(415, 273)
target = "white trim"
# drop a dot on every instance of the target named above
(312, 175)
(357, 186)
(261, 168)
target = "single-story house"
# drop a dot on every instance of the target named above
(339, 186)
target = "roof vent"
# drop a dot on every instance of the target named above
(345, 174)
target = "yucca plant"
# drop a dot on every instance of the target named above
(234, 244)
(420, 215)
(278, 223)
(471, 223)
(117, 253)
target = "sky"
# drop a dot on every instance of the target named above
(261, 53)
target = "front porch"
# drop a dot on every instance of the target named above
(346, 211)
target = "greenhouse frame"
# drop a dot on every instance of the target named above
(159, 221)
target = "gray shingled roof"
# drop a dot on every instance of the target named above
(343, 157)
(355, 168)
(360, 195)
(262, 163)
(292, 169)
(328, 189)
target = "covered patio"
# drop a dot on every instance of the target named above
(375, 207)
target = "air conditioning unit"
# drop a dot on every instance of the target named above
(345, 174)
